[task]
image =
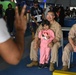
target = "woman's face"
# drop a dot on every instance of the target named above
(50, 16)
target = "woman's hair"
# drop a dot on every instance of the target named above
(52, 12)
(46, 22)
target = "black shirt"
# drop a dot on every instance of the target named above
(10, 13)
(37, 12)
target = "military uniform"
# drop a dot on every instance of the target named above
(54, 52)
(68, 48)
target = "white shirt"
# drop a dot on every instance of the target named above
(4, 34)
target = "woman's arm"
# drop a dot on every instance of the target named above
(12, 51)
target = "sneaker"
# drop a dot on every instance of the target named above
(33, 63)
(51, 68)
(41, 66)
(65, 68)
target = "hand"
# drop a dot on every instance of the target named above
(20, 20)
(74, 48)
(50, 45)
(54, 40)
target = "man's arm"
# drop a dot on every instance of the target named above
(58, 34)
(71, 42)
(12, 51)
(36, 39)
(71, 36)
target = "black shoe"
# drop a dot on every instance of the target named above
(46, 65)
(41, 66)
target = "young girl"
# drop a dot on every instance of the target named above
(46, 35)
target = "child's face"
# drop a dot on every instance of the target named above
(45, 27)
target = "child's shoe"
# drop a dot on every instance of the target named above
(46, 65)
(41, 66)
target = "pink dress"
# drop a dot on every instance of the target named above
(44, 49)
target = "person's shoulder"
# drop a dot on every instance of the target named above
(50, 30)
(2, 22)
(57, 24)
(0, 19)
(74, 26)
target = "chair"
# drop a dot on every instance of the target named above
(62, 49)
(57, 62)
(71, 59)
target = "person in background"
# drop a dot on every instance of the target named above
(11, 51)
(9, 17)
(36, 15)
(70, 47)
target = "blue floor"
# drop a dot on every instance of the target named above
(21, 68)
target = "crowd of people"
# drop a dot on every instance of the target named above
(47, 38)
(8, 15)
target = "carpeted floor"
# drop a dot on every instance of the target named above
(21, 68)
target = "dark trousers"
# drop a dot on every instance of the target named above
(35, 26)
(10, 26)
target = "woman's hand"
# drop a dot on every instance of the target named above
(20, 20)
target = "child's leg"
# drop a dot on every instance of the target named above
(47, 54)
(42, 55)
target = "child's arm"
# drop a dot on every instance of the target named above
(51, 35)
